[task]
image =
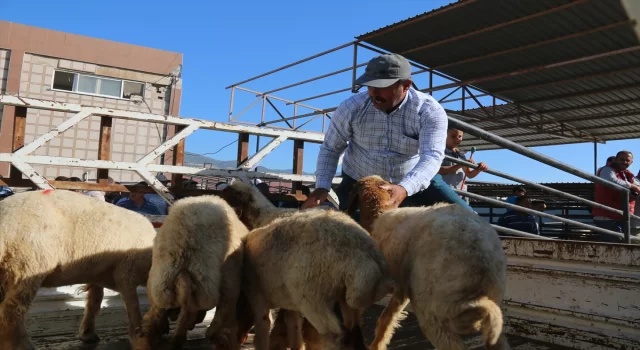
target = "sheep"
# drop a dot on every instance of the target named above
(55, 238)
(459, 277)
(306, 262)
(196, 265)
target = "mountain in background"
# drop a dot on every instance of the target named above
(197, 160)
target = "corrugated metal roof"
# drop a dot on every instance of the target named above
(571, 64)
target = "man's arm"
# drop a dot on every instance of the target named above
(335, 142)
(449, 169)
(433, 137)
(473, 173)
(609, 174)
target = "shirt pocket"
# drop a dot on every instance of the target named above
(405, 145)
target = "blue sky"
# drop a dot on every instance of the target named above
(227, 42)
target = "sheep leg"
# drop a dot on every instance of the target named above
(312, 339)
(13, 309)
(185, 319)
(293, 321)
(244, 316)
(151, 331)
(278, 334)
(325, 321)
(388, 321)
(262, 317)
(132, 306)
(225, 316)
(87, 333)
(438, 334)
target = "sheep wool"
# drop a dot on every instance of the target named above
(447, 261)
(55, 238)
(196, 265)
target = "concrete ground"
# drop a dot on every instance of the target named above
(407, 337)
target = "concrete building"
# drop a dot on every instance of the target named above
(63, 67)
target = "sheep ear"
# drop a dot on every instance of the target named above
(238, 211)
(354, 197)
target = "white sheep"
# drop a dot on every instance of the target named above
(447, 261)
(197, 265)
(307, 262)
(56, 238)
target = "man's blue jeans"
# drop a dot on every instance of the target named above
(438, 191)
(611, 225)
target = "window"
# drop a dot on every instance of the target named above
(96, 85)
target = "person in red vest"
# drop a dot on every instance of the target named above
(616, 172)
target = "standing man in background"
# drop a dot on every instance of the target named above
(452, 173)
(393, 131)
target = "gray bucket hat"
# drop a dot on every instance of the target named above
(385, 70)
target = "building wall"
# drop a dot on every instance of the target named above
(4, 74)
(130, 140)
(36, 52)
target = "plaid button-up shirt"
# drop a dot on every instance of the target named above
(404, 147)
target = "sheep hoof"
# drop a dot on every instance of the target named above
(89, 338)
(221, 340)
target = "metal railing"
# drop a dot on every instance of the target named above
(512, 146)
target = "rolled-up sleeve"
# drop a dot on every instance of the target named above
(432, 139)
(335, 142)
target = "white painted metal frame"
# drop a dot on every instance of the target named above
(23, 157)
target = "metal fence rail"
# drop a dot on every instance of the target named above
(512, 146)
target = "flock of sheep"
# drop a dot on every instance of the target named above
(243, 256)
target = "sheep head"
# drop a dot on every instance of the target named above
(247, 201)
(371, 199)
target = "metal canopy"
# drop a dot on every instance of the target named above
(570, 70)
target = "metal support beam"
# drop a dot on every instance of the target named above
(298, 159)
(255, 160)
(165, 146)
(568, 80)
(293, 64)
(477, 80)
(64, 126)
(104, 148)
(537, 44)
(19, 127)
(568, 109)
(174, 169)
(243, 148)
(595, 158)
(494, 27)
(178, 158)
(307, 136)
(523, 126)
(277, 111)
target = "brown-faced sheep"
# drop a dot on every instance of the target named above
(306, 262)
(197, 265)
(446, 260)
(56, 238)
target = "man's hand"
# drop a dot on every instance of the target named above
(482, 166)
(398, 194)
(634, 188)
(316, 197)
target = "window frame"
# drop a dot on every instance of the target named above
(76, 80)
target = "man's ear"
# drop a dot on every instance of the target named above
(407, 84)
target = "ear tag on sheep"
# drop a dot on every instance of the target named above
(47, 191)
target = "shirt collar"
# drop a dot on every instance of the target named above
(405, 101)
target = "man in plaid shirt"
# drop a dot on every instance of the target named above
(393, 131)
